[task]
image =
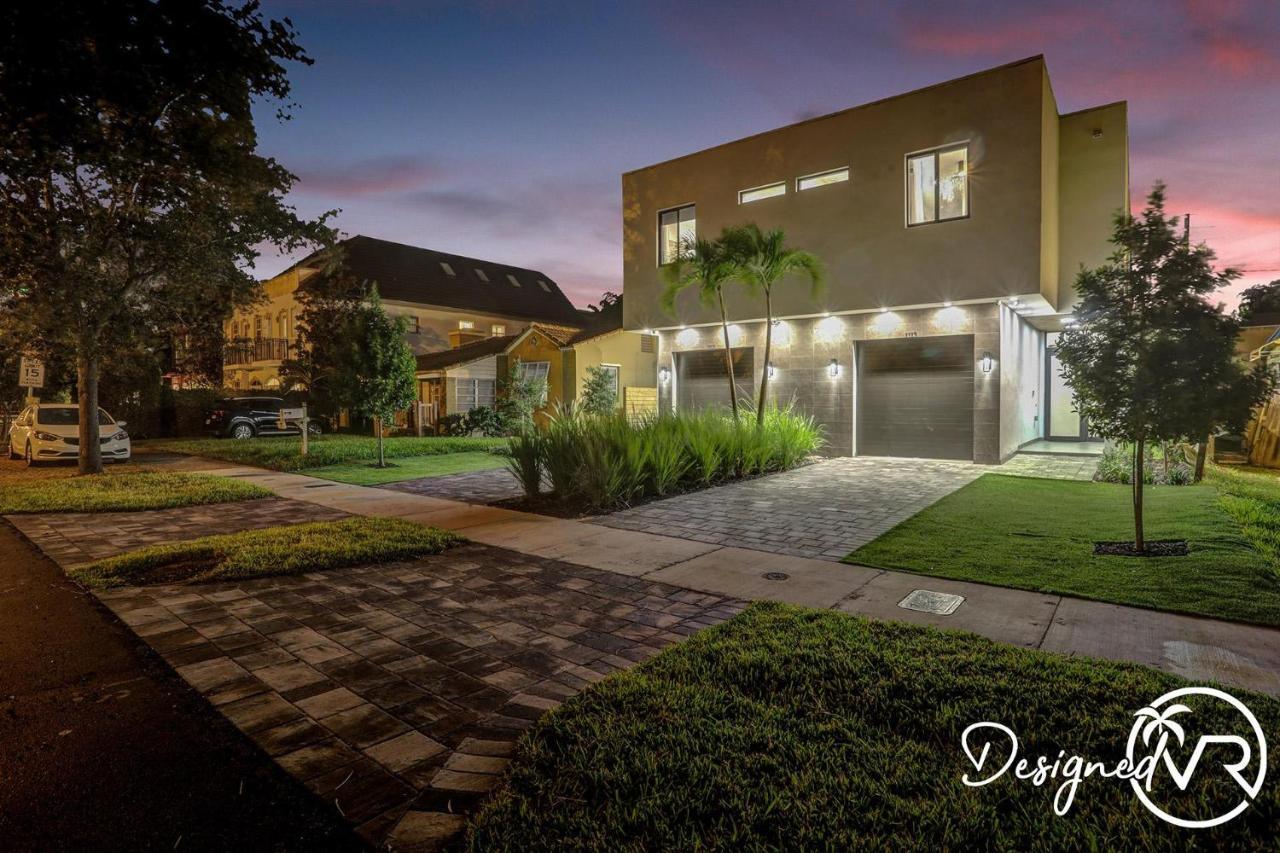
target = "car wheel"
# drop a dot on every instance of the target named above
(242, 431)
(30, 460)
(13, 454)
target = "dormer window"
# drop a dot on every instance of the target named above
(544, 285)
(448, 270)
(480, 274)
(515, 282)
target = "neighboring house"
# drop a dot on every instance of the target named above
(952, 222)
(456, 381)
(450, 300)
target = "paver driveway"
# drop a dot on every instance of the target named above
(395, 692)
(824, 510)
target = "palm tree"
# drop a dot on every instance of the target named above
(1162, 724)
(704, 264)
(760, 260)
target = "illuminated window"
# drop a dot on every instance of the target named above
(480, 275)
(497, 330)
(448, 270)
(938, 185)
(822, 179)
(466, 324)
(677, 228)
(514, 281)
(768, 191)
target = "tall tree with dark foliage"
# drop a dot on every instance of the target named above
(132, 196)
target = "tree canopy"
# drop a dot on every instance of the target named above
(132, 196)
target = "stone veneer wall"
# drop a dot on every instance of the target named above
(804, 355)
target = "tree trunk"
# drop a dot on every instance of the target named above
(1202, 451)
(1139, 471)
(728, 358)
(377, 429)
(768, 351)
(87, 391)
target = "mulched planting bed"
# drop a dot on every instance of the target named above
(1162, 548)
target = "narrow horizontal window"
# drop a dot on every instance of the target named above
(822, 179)
(514, 281)
(769, 191)
(448, 270)
(466, 324)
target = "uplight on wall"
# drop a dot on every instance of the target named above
(987, 361)
(886, 323)
(664, 375)
(949, 319)
(833, 369)
(828, 330)
(687, 337)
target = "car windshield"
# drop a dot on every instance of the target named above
(67, 416)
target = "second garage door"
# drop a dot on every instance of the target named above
(915, 397)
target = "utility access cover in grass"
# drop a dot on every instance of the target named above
(927, 601)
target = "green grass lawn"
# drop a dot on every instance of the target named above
(281, 453)
(123, 492)
(287, 550)
(789, 728)
(1039, 534)
(409, 468)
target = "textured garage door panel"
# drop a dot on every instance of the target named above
(701, 379)
(915, 397)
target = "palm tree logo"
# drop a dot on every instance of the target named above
(1160, 724)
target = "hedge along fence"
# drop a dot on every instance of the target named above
(607, 461)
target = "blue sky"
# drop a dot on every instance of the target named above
(501, 129)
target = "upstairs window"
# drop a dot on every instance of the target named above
(544, 285)
(448, 270)
(466, 324)
(938, 185)
(822, 179)
(759, 193)
(676, 229)
(497, 330)
(515, 282)
(480, 274)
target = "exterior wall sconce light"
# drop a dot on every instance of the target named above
(833, 369)
(773, 370)
(664, 375)
(988, 361)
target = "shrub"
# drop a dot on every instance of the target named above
(524, 460)
(608, 461)
(598, 396)
(1116, 466)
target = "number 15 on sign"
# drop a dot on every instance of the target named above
(31, 373)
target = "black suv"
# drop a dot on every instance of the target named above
(245, 417)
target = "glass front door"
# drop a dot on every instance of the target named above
(1062, 421)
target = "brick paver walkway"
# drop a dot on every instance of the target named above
(473, 487)
(395, 692)
(825, 510)
(73, 538)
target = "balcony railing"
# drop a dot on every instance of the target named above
(250, 350)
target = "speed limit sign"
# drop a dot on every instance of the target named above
(31, 373)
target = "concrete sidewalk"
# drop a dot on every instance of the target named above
(1197, 648)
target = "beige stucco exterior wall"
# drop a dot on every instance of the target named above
(635, 368)
(858, 228)
(1049, 192)
(1093, 187)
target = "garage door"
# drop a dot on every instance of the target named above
(915, 397)
(701, 377)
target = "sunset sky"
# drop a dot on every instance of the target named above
(500, 129)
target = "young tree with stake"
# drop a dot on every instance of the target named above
(1150, 359)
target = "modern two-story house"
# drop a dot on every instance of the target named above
(951, 221)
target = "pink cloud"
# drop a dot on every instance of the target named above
(375, 176)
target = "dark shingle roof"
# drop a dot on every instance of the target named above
(411, 274)
(461, 355)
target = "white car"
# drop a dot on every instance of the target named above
(51, 431)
